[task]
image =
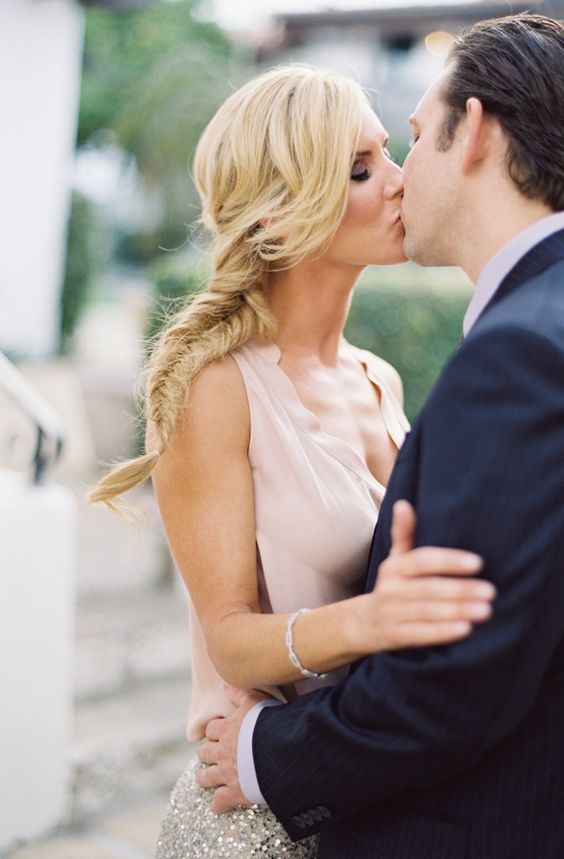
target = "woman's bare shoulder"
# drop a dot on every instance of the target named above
(219, 386)
(216, 414)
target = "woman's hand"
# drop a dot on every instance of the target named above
(422, 596)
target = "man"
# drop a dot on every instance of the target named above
(458, 751)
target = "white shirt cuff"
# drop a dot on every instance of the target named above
(245, 763)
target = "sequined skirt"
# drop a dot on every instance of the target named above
(190, 830)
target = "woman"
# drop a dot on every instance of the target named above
(270, 475)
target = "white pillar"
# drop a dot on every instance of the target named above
(37, 582)
(40, 62)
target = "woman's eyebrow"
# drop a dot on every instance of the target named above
(365, 153)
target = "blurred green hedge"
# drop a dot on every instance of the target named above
(410, 316)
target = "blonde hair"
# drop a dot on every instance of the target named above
(272, 169)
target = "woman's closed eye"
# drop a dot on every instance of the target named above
(360, 173)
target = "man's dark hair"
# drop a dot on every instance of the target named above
(515, 67)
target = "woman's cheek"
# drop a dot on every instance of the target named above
(371, 206)
(359, 209)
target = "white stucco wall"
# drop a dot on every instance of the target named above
(40, 57)
(37, 587)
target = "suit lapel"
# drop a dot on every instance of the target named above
(539, 258)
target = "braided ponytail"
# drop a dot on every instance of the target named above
(212, 325)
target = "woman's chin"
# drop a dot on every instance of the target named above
(395, 258)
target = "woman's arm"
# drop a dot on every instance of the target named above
(204, 489)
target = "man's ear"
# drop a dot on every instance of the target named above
(476, 135)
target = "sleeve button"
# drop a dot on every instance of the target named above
(298, 821)
(323, 811)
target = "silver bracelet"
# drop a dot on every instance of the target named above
(312, 675)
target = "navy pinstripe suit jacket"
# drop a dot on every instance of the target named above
(457, 751)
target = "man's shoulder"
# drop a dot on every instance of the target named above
(534, 310)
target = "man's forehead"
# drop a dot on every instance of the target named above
(431, 100)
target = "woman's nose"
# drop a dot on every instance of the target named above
(394, 183)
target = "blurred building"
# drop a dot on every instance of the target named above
(394, 49)
(40, 67)
(40, 60)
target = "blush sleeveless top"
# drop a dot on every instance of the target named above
(316, 505)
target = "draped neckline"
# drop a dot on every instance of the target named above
(311, 424)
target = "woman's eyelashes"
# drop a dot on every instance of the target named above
(359, 174)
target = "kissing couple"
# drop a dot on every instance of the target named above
(397, 694)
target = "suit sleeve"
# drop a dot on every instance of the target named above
(490, 479)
